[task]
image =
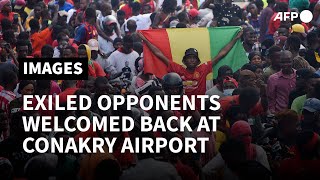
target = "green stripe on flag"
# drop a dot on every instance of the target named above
(219, 38)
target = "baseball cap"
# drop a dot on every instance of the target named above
(230, 79)
(109, 20)
(19, 4)
(298, 28)
(173, 24)
(193, 13)
(63, 13)
(93, 44)
(312, 105)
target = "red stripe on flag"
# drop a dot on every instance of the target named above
(152, 64)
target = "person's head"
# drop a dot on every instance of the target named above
(281, 7)
(229, 85)
(34, 25)
(6, 168)
(102, 85)
(138, 47)
(136, 8)
(233, 153)
(106, 9)
(94, 46)
(5, 6)
(299, 31)
(313, 40)
(183, 17)
(287, 123)
(63, 40)
(62, 18)
(303, 77)
(127, 44)
(47, 51)
(271, 2)
(249, 36)
(26, 87)
(37, 11)
(223, 72)
(241, 131)
(109, 24)
(252, 9)
(22, 48)
(308, 145)
(172, 84)
(193, 14)
(84, 4)
(169, 6)
(43, 87)
(90, 15)
(83, 52)
(228, 2)
(181, 25)
(283, 31)
(265, 45)
(9, 80)
(311, 113)
(286, 61)
(132, 26)
(274, 54)
(121, 17)
(247, 78)
(255, 58)
(9, 37)
(117, 43)
(68, 52)
(191, 58)
(146, 9)
(249, 97)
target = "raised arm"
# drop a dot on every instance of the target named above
(227, 48)
(155, 50)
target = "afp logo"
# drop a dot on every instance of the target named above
(305, 16)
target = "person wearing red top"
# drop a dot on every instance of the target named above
(275, 24)
(127, 9)
(95, 70)
(194, 76)
(70, 88)
(38, 38)
(6, 10)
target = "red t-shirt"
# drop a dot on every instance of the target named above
(96, 70)
(273, 25)
(194, 83)
(63, 95)
(128, 11)
(10, 17)
(228, 101)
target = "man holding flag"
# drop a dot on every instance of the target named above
(194, 75)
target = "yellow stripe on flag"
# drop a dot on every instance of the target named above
(183, 39)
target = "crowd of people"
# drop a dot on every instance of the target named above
(270, 107)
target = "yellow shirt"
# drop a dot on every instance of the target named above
(27, 26)
(27, 10)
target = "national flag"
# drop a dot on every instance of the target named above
(208, 41)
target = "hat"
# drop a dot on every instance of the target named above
(230, 79)
(312, 105)
(93, 44)
(298, 28)
(4, 2)
(19, 4)
(109, 20)
(173, 24)
(63, 13)
(193, 13)
(191, 51)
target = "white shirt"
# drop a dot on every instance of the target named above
(56, 53)
(143, 22)
(118, 61)
(106, 46)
